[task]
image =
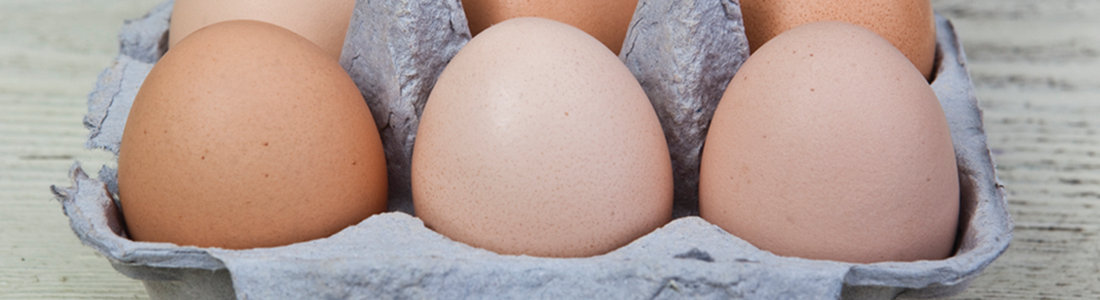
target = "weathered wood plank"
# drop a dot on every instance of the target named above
(1036, 67)
(51, 52)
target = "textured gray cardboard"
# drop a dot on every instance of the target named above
(392, 255)
(684, 53)
(394, 51)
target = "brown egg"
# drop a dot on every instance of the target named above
(537, 140)
(908, 24)
(325, 22)
(247, 135)
(607, 20)
(828, 145)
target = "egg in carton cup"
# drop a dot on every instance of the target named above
(683, 52)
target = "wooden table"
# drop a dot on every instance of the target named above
(1036, 65)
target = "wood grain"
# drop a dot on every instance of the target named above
(1036, 65)
(50, 55)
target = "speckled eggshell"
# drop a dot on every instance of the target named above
(828, 144)
(324, 22)
(537, 140)
(908, 24)
(247, 135)
(607, 20)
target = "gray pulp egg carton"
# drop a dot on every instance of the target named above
(682, 51)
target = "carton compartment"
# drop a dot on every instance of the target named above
(394, 59)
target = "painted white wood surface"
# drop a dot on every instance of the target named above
(51, 52)
(1036, 65)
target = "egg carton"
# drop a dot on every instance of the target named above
(683, 52)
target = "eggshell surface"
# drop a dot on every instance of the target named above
(324, 22)
(247, 135)
(537, 140)
(908, 24)
(827, 144)
(607, 20)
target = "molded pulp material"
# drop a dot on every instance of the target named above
(395, 51)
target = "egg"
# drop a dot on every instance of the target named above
(827, 144)
(324, 22)
(607, 20)
(537, 140)
(909, 25)
(248, 135)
